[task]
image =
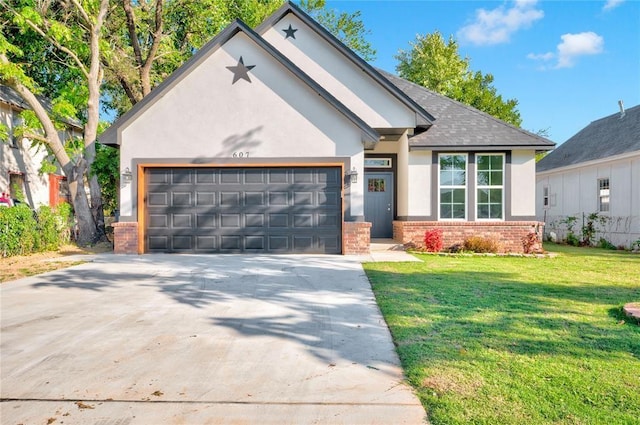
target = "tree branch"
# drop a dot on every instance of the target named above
(131, 27)
(151, 56)
(51, 40)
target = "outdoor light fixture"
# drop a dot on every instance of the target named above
(127, 176)
(353, 175)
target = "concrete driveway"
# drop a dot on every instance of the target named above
(187, 339)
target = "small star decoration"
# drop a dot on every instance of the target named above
(240, 71)
(290, 32)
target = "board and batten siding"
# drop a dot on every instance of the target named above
(573, 191)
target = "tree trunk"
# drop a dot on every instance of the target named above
(87, 233)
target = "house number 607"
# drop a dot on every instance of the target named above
(241, 154)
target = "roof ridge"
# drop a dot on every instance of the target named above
(613, 115)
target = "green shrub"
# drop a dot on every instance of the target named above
(480, 245)
(47, 229)
(18, 230)
(22, 231)
(573, 239)
(605, 244)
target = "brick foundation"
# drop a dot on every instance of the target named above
(356, 237)
(508, 234)
(125, 237)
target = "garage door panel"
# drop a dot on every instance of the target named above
(181, 199)
(254, 176)
(205, 176)
(206, 243)
(181, 177)
(160, 199)
(181, 221)
(257, 210)
(230, 176)
(254, 220)
(205, 198)
(206, 221)
(229, 199)
(254, 198)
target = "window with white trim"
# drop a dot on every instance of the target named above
(452, 196)
(545, 197)
(490, 186)
(603, 195)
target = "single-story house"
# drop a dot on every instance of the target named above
(282, 139)
(21, 159)
(596, 171)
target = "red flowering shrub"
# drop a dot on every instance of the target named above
(433, 240)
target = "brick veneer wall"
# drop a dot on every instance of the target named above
(356, 237)
(125, 237)
(508, 234)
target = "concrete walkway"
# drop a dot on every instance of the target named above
(187, 339)
(387, 250)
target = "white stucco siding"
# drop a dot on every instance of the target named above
(523, 183)
(205, 117)
(419, 184)
(344, 80)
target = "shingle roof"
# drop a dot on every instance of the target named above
(461, 127)
(603, 138)
(11, 97)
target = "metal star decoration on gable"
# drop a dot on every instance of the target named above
(240, 71)
(290, 32)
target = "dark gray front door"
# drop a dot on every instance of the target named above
(252, 210)
(378, 204)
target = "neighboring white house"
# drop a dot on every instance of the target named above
(595, 171)
(284, 140)
(20, 159)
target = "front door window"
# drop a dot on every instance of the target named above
(377, 185)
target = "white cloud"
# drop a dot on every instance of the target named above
(497, 25)
(572, 47)
(612, 4)
(541, 56)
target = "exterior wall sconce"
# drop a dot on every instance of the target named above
(353, 175)
(127, 176)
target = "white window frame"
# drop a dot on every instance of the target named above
(465, 186)
(604, 193)
(546, 199)
(495, 187)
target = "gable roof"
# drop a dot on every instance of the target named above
(10, 97)
(423, 118)
(609, 136)
(462, 127)
(110, 136)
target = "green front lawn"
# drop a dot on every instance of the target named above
(510, 340)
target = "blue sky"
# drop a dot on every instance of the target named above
(566, 62)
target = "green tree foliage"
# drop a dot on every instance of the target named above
(53, 48)
(150, 39)
(436, 64)
(346, 27)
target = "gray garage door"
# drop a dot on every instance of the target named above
(252, 210)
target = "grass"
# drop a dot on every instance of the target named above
(511, 340)
(20, 266)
